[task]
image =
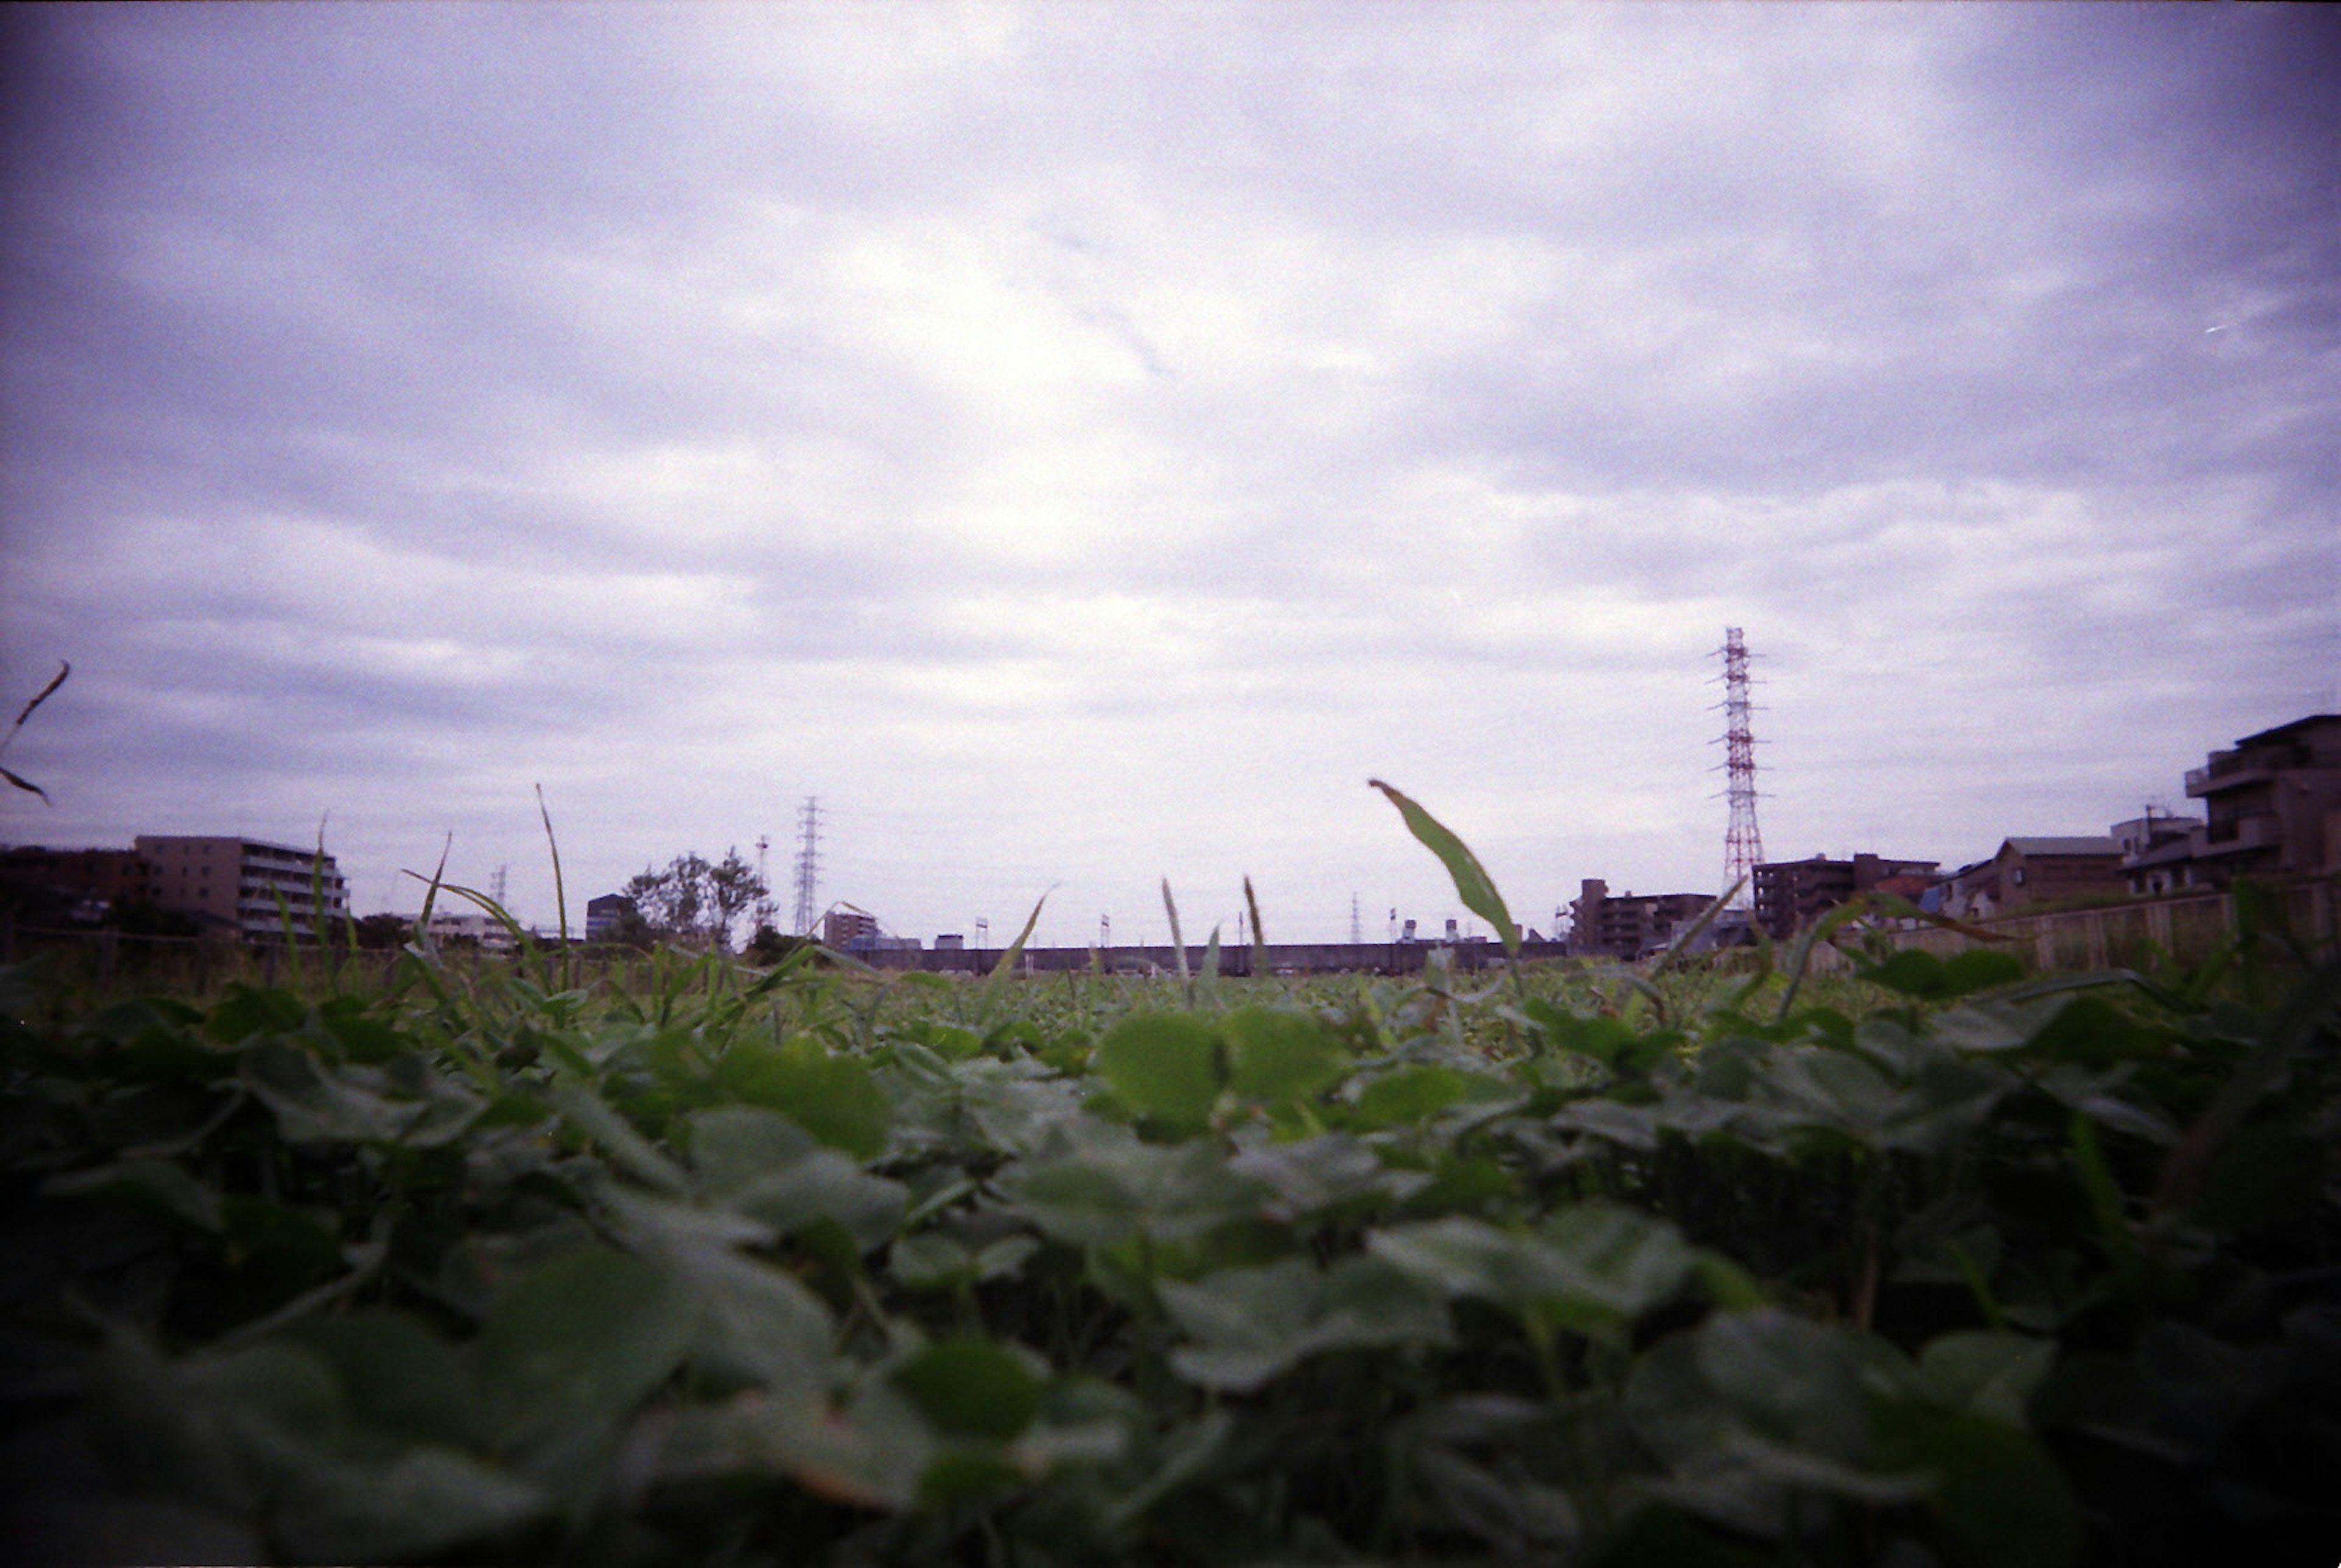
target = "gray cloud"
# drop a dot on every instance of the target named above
(1083, 444)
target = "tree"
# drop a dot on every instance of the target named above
(695, 898)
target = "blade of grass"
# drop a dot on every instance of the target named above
(1472, 884)
(1260, 965)
(559, 891)
(1179, 943)
(1007, 964)
(1707, 917)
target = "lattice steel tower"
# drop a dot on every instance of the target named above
(808, 863)
(1743, 841)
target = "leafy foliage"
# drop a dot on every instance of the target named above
(1941, 1265)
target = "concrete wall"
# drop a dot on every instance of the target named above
(1297, 957)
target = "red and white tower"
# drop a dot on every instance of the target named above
(1743, 841)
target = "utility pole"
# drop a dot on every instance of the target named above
(808, 863)
(1743, 841)
(764, 909)
(1357, 923)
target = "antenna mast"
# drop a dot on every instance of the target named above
(1743, 841)
(808, 863)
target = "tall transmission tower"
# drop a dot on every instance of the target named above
(808, 863)
(1357, 923)
(1743, 841)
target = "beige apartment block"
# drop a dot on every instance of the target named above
(235, 882)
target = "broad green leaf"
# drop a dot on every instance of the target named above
(1277, 1056)
(574, 1344)
(1164, 1065)
(732, 1145)
(972, 1388)
(1250, 1324)
(1792, 1380)
(750, 1321)
(415, 1505)
(1100, 1192)
(1594, 1267)
(395, 1374)
(1412, 1096)
(1996, 1490)
(832, 1097)
(1988, 1374)
(1472, 884)
(825, 1185)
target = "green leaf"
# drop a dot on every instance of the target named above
(396, 1375)
(1794, 1381)
(970, 1388)
(832, 1097)
(1988, 1374)
(1413, 1095)
(1997, 1490)
(414, 1506)
(574, 1346)
(1165, 1065)
(1250, 1324)
(1104, 1189)
(1472, 884)
(1594, 1267)
(1278, 1055)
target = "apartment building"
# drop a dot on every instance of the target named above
(235, 882)
(1792, 894)
(1627, 926)
(2273, 803)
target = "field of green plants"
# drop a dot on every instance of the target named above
(1943, 1265)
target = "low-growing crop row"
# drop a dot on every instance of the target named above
(1948, 1266)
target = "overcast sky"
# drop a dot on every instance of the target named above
(1081, 443)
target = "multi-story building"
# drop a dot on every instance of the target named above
(1628, 926)
(2273, 803)
(71, 884)
(1793, 893)
(235, 882)
(850, 930)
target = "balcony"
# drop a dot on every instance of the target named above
(2245, 834)
(2222, 776)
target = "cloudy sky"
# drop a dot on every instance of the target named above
(1081, 444)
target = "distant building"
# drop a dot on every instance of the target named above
(2158, 854)
(1791, 894)
(841, 928)
(607, 917)
(2051, 869)
(237, 883)
(472, 926)
(2273, 803)
(951, 940)
(71, 884)
(1628, 926)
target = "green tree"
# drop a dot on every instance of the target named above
(695, 898)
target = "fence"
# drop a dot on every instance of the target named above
(2188, 928)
